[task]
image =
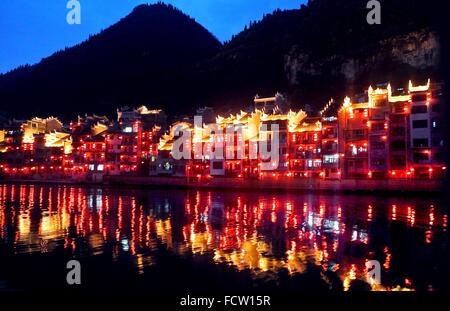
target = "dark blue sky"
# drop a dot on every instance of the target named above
(33, 29)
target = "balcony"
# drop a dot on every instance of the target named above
(356, 135)
(359, 155)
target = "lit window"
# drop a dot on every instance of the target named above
(128, 129)
(167, 166)
(91, 167)
(331, 158)
(100, 167)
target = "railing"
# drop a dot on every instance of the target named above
(351, 136)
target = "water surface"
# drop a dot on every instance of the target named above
(199, 240)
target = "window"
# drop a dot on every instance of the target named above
(217, 165)
(379, 145)
(355, 134)
(420, 142)
(436, 108)
(419, 98)
(396, 118)
(378, 162)
(358, 132)
(378, 126)
(420, 156)
(100, 167)
(91, 167)
(434, 123)
(331, 158)
(419, 109)
(380, 103)
(420, 124)
(330, 132)
(128, 129)
(397, 131)
(397, 145)
(330, 146)
(398, 161)
(399, 108)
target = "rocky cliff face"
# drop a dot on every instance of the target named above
(419, 50)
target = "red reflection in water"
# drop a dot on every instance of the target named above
(258, 232)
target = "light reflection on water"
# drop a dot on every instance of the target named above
(262, 233)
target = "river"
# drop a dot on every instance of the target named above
(175, 240)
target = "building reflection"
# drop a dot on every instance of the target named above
(261, 233)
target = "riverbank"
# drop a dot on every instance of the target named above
(269, 184)
(344, 185)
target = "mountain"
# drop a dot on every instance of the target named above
(136, 61)
(326, 49)
(160, 57)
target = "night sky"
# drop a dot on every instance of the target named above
(30, 30)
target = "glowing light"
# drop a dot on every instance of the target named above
(419, 88)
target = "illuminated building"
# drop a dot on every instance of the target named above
(242, 134)
(164, 164)
(426, 138)
(83, 130)
(39, 126)
(2, 136)
(277, 104)
(11, 155)
(130, 147)
(372, 138)
(396, 134)
(93, 151)
(141, 131)
(113, 149)
(306, 148)
(399, 133)
(330, 148)
(127, 115)
(378, 125)
(3, 141)
(387, 133)
(280, 124)
(33, 128)
(240, 131)
(353, 136)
